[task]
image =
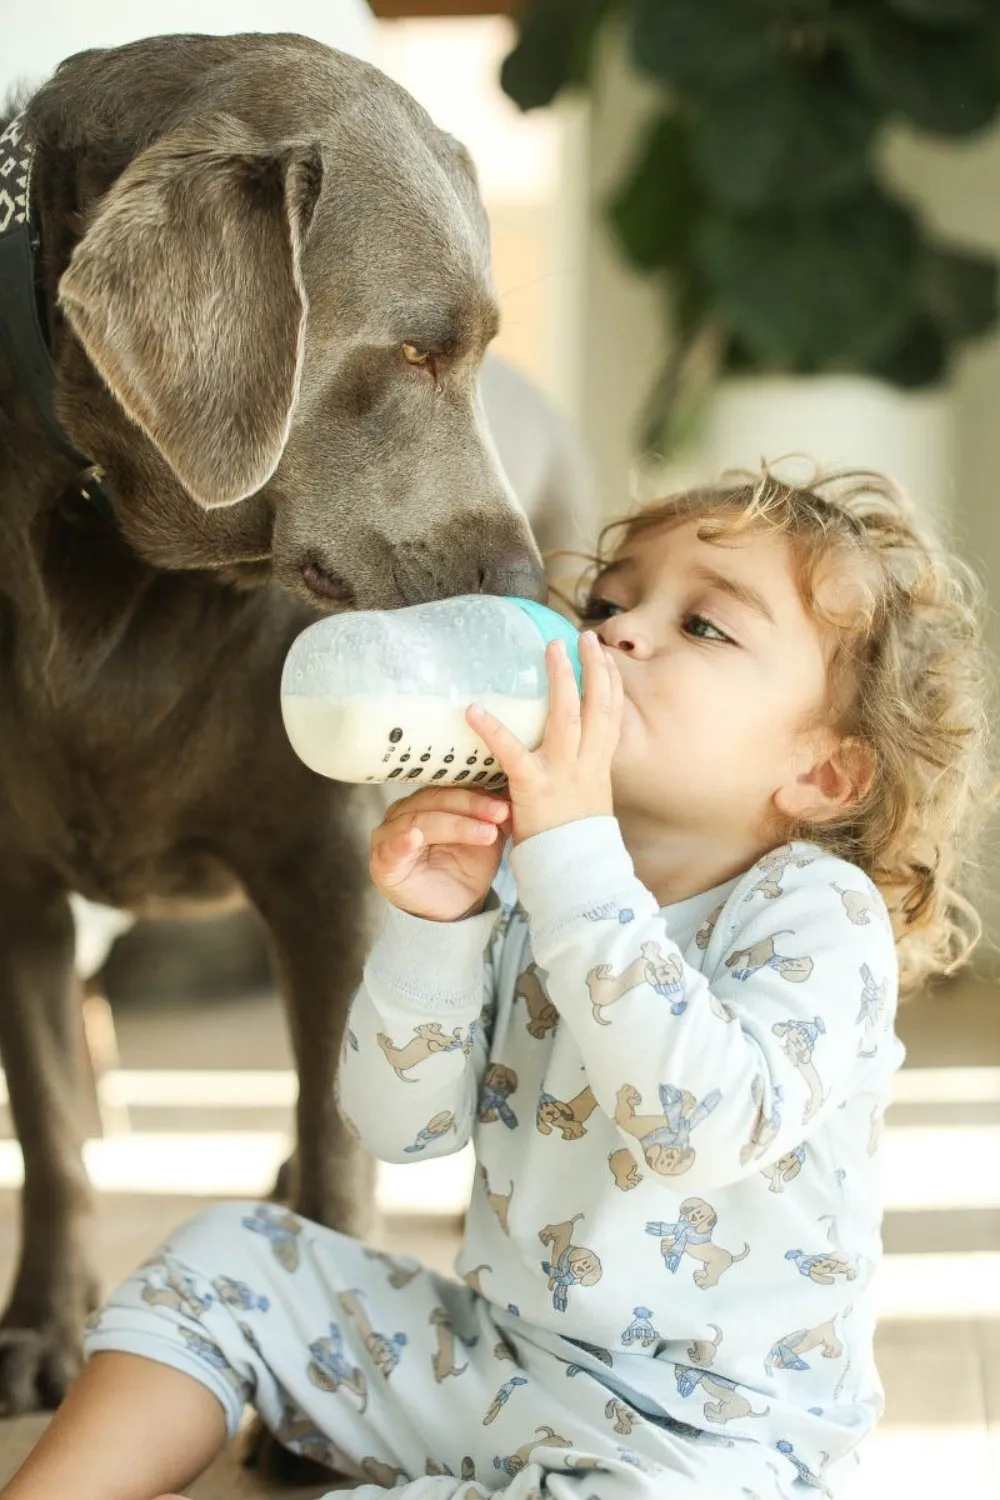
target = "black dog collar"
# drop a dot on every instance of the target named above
(21, 330)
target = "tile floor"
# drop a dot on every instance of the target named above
(939, 1340)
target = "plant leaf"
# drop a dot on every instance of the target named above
(919, 357)
(830, 290)
(702, 43)
(654, 213)
(554, 49)
(798, 135)
(942, 80)
(958, 289)
(941, 12)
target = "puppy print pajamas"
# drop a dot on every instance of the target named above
(676, 1213)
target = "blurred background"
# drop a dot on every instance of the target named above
(717, 237)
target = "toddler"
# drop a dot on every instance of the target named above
(666, 1021)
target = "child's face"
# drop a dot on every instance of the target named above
(725, 675)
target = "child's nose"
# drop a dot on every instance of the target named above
(621, 633)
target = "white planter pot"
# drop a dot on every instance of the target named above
(834, 420)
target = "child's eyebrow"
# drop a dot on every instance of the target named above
(743, 593)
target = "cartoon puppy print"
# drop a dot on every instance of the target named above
(824, 1267)
(789, 1351)
(279, 1227)
(704, 934)
(443, 1358)
(498, 1085)
(542, 1014)
(623, 1416)
(297, 1432)
(641, 1331)
(329, 1369)
(746, 962)
(806, 1477)
(499, 1202)
(703, 1351)
(237, 1294)
(859, 905)
(383, 1350)
(624, 1169)
(165, 1288)
(501, 1398)
(473, 1281)
(568, 1264)
(437, 1126)
(729, 1404)
(427, 1040)
(520, 1458)
(204, 1349)
(401, 1271)
(872, 1005)
(800, 1038)
(772, 867)
(692, 1235)
(664, 975)
(785, 1169)
(665, 1138)
(765, 1126)
(569, 1118)
(383, 1474)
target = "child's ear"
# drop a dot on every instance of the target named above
(838, 775)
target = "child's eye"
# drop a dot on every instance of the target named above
(598, 609)
(701, 627)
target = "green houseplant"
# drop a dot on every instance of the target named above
(756, 193)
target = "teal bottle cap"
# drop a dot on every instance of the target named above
(553, 626)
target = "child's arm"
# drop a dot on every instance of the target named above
(710, 1075)
(415, 1049)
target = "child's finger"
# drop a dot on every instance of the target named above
(617, 700)
(561, 739)
(400, 842)
(512, 754)
(597, 695)
(453, 799)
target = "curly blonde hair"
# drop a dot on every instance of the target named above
(908, 683)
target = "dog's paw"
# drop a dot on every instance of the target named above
(37, 1366)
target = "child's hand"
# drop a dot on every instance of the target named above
(569, 775)
(435, 854)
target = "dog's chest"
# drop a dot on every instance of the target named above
(111, 767)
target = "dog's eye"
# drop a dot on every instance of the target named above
(415, 356)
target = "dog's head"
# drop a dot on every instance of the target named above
(287, 294)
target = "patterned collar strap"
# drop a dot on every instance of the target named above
(21, 332)
(15, 176)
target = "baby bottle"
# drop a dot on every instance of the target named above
(380, 695)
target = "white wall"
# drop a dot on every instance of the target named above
(38, 34)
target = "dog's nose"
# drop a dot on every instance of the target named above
(521, 576)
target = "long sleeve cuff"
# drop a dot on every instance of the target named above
(434, 965)
(578, 867)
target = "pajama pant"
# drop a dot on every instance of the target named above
(400, 1377)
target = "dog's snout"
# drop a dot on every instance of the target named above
(521, 576)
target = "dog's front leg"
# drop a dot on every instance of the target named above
(316, 902)
(41, 1044)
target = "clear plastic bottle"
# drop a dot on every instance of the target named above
(380, 695)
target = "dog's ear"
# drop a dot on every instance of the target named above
(186, 293)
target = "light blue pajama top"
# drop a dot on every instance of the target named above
(675, 1114)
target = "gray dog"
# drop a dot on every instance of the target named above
(262, 275)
